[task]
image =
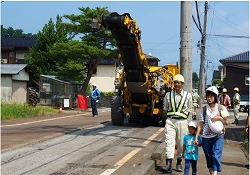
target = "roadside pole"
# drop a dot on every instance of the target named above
(202, 83)
(186, 44)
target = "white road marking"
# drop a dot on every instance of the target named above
(130, 155)
(41, 120)
(69, 116)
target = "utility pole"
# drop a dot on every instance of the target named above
(201, 90)
(186, 44)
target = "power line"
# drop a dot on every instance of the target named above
(227, 21)
(198, 15)
(226, 36)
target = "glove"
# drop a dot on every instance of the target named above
(97, 101)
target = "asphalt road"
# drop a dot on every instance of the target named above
(77, 143)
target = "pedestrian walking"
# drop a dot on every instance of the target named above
(190, 149)
(95, 96)
(213, 141)
(178, 106)
(195, 97)
(224, 99)
(236, 102)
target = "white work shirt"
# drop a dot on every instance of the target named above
(187, 107)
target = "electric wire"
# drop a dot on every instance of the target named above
(228, 22)
(198, 15)
(196, 24)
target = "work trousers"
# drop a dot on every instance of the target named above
(213, 148)
(194, 108)
(94, 108)
(236, 111)
(175, 130)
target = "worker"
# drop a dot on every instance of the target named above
(236, 102)
(224, 99)
(178, 106)
(94, 99)
(195, 97)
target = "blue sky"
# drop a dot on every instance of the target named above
(159, 22)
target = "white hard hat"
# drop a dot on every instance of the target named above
(193, 124)
(224, 90)
(236, 89)
(179, 77)
(94, 84)
(216, 126)
(213, 89)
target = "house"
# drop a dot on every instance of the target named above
(14, 83)
(13, 49)
(236, 73)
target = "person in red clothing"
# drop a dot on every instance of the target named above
(225, 99)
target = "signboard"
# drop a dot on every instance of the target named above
(66, 103)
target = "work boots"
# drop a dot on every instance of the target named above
(168, 168)
(236, 121)
(178, 165)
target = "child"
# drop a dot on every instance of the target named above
(190, 150)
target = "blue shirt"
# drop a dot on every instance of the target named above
(191, 152)
(95, 94)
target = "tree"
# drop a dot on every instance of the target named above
(96, 44)
(40, 59)
(10, 32)
(219, 84)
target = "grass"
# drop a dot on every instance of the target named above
(17, 110)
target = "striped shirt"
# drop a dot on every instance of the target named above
(211, 113)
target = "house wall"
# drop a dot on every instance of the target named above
(19, 91)
(104, 78)
(14, 87)
(22, 75)
(6, 88)
(18, 54)
(236, 78)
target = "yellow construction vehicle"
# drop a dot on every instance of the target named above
(140, 87)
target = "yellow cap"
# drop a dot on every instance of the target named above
(179, 77)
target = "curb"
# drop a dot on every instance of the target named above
(148, 167)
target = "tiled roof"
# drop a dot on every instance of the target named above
(108, 62)
(12, 69)
(18, 41)
(242, 57)
(111, 62)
